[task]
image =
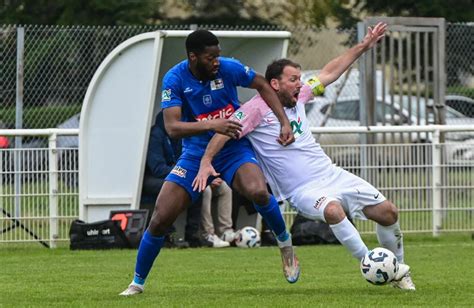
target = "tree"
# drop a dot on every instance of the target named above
(453, 11)
(79, 12)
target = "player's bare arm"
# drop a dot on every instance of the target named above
(205, 169)
(336, 67)
(176, 128)
(268, 94)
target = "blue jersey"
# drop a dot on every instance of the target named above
(205, 100)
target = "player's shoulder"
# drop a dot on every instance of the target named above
(229, 63)
(175, 74)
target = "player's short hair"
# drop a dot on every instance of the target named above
(275, 69)
(198, 40)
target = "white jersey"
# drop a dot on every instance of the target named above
(287, 169)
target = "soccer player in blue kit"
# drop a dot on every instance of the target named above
(198, 96)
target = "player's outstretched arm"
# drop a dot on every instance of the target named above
(269, 96)
(179, 129)
(205, 169)
(334, 69)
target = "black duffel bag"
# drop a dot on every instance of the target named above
(105, 234)
(310, 232)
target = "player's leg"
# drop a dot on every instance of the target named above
(390, 236)
(388, 230)
(344, 230)
(250, 182)
(175, 196)
(320, 203)
(172, 200)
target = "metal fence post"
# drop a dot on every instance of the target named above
(53, 190)
(20, 45)
(436, 184)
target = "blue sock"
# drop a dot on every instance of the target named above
(149, 249)
(272, 215)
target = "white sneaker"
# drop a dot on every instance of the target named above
(291, 266)
(403, 278)
(214, 241)
(229, 236)
(132, 289)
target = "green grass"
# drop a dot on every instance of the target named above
(33, 276)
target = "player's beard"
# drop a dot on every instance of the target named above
(204, 71)
(286, 99)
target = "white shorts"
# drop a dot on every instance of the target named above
(350, 190)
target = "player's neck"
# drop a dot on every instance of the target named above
(196, 74)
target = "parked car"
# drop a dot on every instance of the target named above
(463, 104)
(346, 112)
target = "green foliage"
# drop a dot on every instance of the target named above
(79, 12)
(454, 11)
(232, 277)
(40, 117)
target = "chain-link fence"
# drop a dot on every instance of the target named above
(59, 62)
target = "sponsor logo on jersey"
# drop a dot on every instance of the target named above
(319, 202)
(223, 113)
(239, 115)
(217, 84)
(179, 171)
(296, 127)
(187, 90)
(247, 70)
(207, 100)
(166, 95)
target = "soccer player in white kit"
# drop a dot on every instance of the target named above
(301, 172)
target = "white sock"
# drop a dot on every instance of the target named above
(348, 235)
(391, 238)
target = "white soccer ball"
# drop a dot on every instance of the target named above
(379, 266)
(248, 237)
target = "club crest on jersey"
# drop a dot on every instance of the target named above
(296, 127)
(166, 95)
(179, 171)
(207, 100)
(217, 84)
(239, 115)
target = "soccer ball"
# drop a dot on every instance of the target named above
(247, 237)
(379, 266)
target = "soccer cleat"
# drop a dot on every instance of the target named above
(403, 279)
(133, 289)
(291, 266)
(213, 240)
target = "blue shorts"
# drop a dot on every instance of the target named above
(187, 167)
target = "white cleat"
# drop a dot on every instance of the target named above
(403, 279)
(133, 289)
(291, 266)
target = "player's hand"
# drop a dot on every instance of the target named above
(205, 170)
(374, 34)
(227, 127)
(286, 135)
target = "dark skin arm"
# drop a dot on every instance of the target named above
(205, 169)
(269, 96)
(179, 129)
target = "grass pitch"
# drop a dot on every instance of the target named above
(442, 268)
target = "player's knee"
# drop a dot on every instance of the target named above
(260, 196)
(158, 226)
(333, 213)
(390, 215)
